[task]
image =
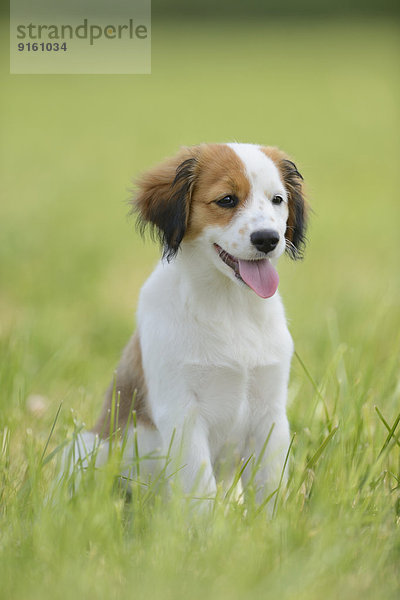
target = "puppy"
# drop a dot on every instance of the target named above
(208, 365)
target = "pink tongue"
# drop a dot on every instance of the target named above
(260, 275)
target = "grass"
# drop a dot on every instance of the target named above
(71, 269)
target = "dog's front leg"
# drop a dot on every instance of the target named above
(190, 463)
(268, 442)
(175, 408)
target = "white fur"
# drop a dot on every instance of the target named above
(216, 357)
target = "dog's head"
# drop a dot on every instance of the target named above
(243, 204)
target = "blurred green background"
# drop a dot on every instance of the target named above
(319, 80)
(268, 8)
(325, 90)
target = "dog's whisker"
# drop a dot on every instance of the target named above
(291, 248)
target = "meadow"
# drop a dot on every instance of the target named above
(71, 266)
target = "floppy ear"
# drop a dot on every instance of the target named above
(163, 199)
(296, 225)
(298, 209)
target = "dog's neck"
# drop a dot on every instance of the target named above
(211, 292)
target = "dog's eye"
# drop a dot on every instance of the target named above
(229, 201)
(277, 199)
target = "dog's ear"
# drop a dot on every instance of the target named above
(295, 234)
(298, 209)
(163, 197)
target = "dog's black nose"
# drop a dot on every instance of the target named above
(265, 240)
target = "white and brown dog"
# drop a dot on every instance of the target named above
(209, 362)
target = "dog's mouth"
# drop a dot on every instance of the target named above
(259, 275)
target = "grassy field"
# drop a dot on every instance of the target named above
(71, 267)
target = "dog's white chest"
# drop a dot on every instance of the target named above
(223, 359)
(219, 391)
(230, 399)
(220, 396)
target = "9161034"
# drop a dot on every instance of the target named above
(42, 47)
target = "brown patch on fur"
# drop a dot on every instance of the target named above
(130, 382)
(155, 184)
(298, 207)
(176, 198)
(163, 198)
(219, 172)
